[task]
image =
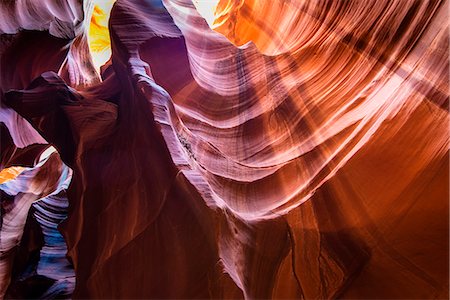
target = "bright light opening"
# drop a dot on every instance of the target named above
(98, 37)
(207, 9)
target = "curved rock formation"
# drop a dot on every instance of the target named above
(44, 183)
(300, 150)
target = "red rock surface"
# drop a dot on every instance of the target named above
(298, 151)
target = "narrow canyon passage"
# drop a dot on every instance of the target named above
(224, 149)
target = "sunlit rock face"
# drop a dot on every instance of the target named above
(226, 149)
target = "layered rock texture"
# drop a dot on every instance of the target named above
(232, 149)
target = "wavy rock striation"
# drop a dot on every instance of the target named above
(300, 150)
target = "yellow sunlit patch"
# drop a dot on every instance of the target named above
(10, 173)
(98, 37)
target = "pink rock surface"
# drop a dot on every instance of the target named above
(299, 151)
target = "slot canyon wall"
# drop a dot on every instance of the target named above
(257, 149)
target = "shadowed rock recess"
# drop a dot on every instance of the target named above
(260, 150)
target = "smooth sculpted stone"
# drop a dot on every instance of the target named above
(272, 149)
